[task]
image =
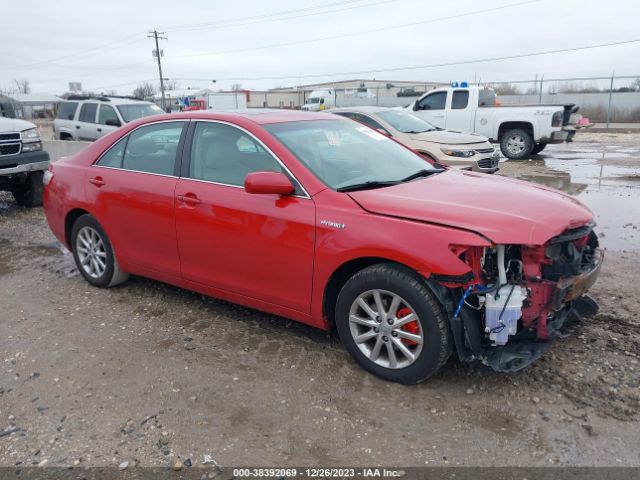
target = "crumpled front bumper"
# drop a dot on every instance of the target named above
(570, 288)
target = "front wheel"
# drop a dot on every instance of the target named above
(392, 324)
(516, 144)
(94, 255)
(29, 193)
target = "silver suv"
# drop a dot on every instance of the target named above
(89, 118)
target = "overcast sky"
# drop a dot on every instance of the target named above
(104, 45)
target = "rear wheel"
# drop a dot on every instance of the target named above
(94, 255)
(29, 193)
(516, 144)
(538, 148)
(392, 325)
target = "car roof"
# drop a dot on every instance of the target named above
(108, 100)
(261, 116)
(361, 109)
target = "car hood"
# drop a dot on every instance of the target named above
(14, 125)
(504, 210)
(448, 137)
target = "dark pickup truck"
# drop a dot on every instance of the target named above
(22, 161)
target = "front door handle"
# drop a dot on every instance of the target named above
(189, 199)
(99, 129)
(97, 181)
(78, 127)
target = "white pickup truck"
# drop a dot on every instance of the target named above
(521, 130)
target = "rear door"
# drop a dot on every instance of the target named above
(86, 126)
(459, 112)
(432, 108)
(132, 188)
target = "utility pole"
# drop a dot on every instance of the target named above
(155, 34)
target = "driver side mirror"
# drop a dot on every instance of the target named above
(273, 183)
(112, 122)
(416, 106)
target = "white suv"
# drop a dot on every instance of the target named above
(89, 118)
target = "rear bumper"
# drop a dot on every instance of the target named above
(570, 288)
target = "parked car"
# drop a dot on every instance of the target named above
(22, 161)
(319, 219)
(89, 118)
(319, 100)
(521, 130)
(467, 151)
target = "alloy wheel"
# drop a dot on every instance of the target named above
(92, 253)
(516, 144)
(386, 329)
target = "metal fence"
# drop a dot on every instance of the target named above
(605, 99)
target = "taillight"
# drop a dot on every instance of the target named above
(556, 120)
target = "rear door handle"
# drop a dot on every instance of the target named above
(78, 127)
(98, 181)
(189, 199)
(99, 129)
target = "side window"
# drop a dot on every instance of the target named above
(88, 112)
(113, 157)
(67, 110)
(435, 101)
(369, 122)
(460, 99)
(153, 148)
(107, 116)
(225, 154)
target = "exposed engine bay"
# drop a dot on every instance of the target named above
(521, 296)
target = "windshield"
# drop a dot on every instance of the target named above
(343, 153)
(134, 111)
(405, 122)
(314, 100)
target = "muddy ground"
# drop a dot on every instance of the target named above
(146, 373)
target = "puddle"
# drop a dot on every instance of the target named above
(14, 257)
(610, 188)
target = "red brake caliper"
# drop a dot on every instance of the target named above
(411, 327)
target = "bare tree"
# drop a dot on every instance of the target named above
(144, 90)
(636, 84)
(506, 89)
(236, 86)
(171, 85)
(22, 85)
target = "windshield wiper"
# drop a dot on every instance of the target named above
(366, 186)
(421, 173)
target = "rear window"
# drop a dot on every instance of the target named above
(67, 110)
(486, 98)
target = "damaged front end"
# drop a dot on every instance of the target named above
(520, 297)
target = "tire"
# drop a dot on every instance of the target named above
(429, 324)
(87, 234)
(516, 144)
(29, 194)
(538, 148)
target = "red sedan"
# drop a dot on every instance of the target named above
(323, 220)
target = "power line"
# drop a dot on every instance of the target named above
(435, 65)
(174, 28)
(290, 17)
(90, 51)
(363, 32)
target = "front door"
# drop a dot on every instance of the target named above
(258, 246)
(132, 187)
(431, 107)
(459, 113)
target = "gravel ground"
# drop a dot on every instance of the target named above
(146, 373)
